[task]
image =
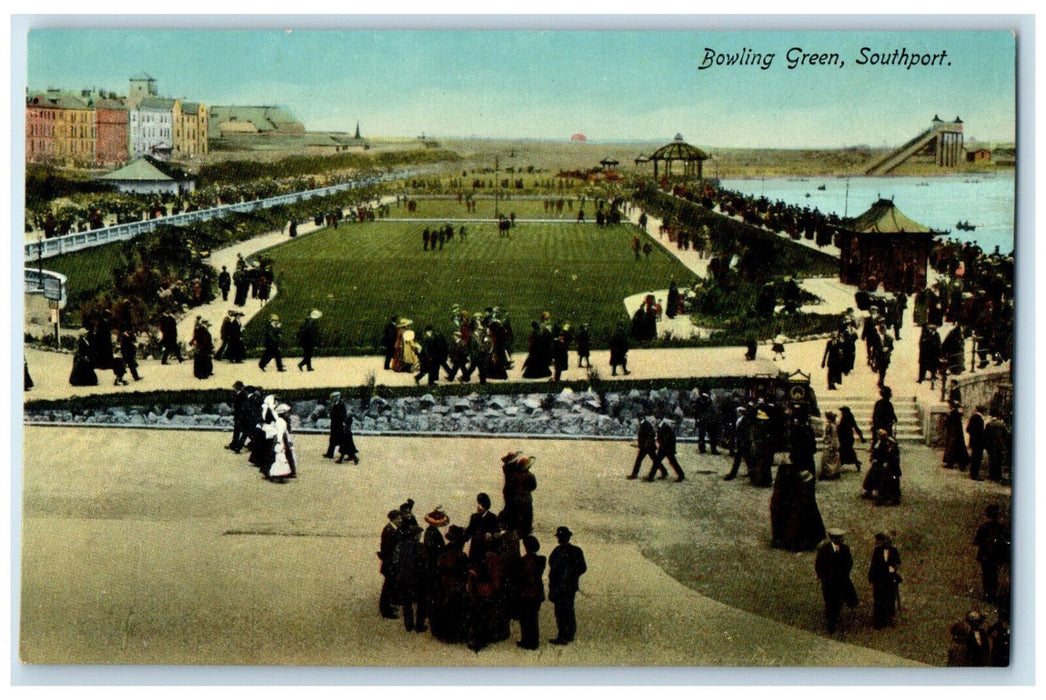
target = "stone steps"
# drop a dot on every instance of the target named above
(909, 423)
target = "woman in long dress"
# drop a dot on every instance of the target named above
(410, 352)
(83, 364)
(283, 463)
(203, 364)
(830, 465)
(847, 427)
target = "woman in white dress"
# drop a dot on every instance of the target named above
(284, 462)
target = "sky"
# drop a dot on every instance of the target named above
(608, 85)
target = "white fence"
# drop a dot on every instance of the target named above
(72, 242)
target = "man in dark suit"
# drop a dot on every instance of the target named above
(390, 536)
(647, 439)
(566, 564)
(975, 429)
(666, 449)
(169, 338)
(482, 526)
(308, 337)
(707, 423)
(833, 566)
(388, 340)
(338, 415)
(272, 345)
(531, 593)
(224, 283)
(241, 421)
(882, 574)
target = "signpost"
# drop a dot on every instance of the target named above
(54, 292)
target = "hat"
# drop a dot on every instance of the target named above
(563, 531)
(437, 517)
(335, 394)
(511, 457)
(527, 462)
(740, 409)
(973, 616)
(761, 415)
(408, 506)
(274, 318)
(403, 323)
(393, 514)
(836, 532)
(282, 408)
(315, 313)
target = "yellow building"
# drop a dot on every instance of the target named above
(190, 129)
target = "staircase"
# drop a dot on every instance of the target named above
(909, 425)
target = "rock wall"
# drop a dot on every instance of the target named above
(568, 413)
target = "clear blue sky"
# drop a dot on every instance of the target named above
(610, 85)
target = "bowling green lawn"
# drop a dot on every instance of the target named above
(360, 274)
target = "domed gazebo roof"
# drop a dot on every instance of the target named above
(679, 150)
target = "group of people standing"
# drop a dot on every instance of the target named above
(95, 350)
(263, 426)
(472, 595)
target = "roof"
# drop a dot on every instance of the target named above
(679, 150)
(190, 106)
(55, 100)
(140, 170)
(159, 103)
(884, 217)
(265, 118)
(142, 76)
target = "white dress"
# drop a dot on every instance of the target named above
(283, 449)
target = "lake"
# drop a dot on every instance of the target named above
(984, 200)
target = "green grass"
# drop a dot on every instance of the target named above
(529, 208)
(360, 275)
(86, 270)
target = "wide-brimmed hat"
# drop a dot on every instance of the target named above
(274, 318)
(315, 313)
(335, 394)
(437, 517)
(527, 462)
(403, 323)
(511, 457)
(836, 532)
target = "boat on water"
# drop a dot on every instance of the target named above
(965, 226)
(822, 187)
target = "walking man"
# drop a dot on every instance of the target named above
(272, 345)
(224, 283)
(308, 337)
(647, 440)
(882, 574)
(566, 564)
(666, 449)
(833, 566)
(707, 423)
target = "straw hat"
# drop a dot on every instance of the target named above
(403, 323)
(315, 313)
(437, 517)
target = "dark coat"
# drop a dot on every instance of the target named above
(531, 586)
(566, 564)
(666, 439)
(833, 570)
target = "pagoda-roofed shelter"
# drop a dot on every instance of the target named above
(883, 246)
(609, 163)
(679, 151)
(142, 176)
(642, 159)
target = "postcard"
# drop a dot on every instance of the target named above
(361, 347)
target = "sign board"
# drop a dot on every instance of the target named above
(54, 312)
(53, 288)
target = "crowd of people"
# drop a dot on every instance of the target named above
(469, 583)
(263, 427)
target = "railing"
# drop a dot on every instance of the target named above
(37, 281)
(72, 242)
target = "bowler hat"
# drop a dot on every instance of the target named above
(563, 531)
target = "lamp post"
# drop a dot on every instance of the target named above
(40, 260)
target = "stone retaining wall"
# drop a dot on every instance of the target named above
(568, 413)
